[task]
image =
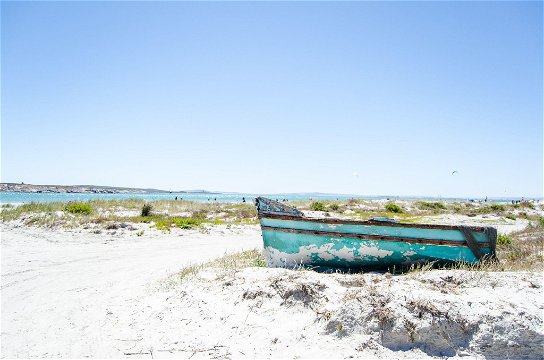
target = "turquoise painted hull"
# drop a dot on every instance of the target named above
(292, 240)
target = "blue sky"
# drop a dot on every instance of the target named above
(356, 97)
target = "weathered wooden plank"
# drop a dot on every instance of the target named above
(370, 222)
(375, 237)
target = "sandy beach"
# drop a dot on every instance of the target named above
(60, 288)
(134, 291)
(272, 180)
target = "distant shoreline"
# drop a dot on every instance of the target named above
(98, 189)
(89, 189)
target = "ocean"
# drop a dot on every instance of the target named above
(28, 197)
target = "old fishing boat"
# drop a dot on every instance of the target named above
(292, 239)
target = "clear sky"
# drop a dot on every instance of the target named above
(356, 97)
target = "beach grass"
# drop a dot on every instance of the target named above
(229, 262)
(434, 206)
(518, 251)
(166, 223)
(224, 213)
(13, 213)
(166, 215)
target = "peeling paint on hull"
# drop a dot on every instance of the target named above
(283, 249)
(290, 239)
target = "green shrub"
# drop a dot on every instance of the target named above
(317, 206)
(222, 222)
(186, 223)
(334, 207)
(424, 205)
(504, 239)
(493, 208)
(147, 209)
(528, 204)
(541, 221)
(162, 224)
(497, 207)
(457, 209)
(79, 208)
(182, 223)
(393, 208)
(511, 217)
(259, 262)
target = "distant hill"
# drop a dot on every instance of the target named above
(89, 189)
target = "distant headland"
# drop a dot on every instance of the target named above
(87, 189)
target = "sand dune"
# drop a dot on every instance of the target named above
(84, 293)
(59, 287)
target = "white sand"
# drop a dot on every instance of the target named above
(80, 294)
(59, 287)
(279, 313)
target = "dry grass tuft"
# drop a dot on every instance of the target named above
(293, 292)
(240, 260)
(236, 261)
(524, 251)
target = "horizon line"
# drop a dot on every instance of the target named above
(201, 191)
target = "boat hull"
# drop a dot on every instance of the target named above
(291, 241)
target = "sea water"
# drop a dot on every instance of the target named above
(28, 197)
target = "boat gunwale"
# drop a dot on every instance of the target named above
(376, 237)
(371, 222)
